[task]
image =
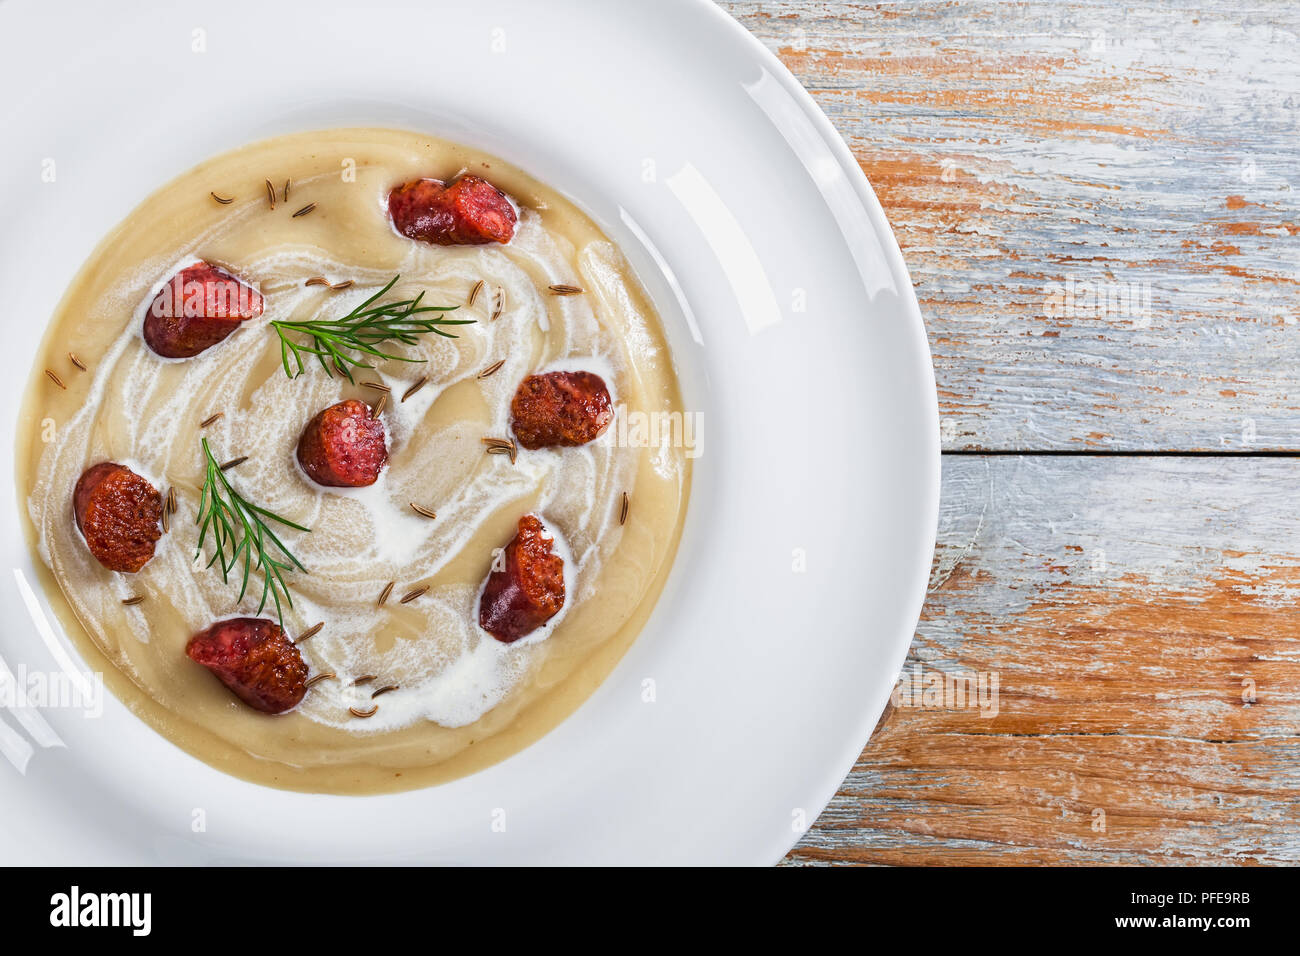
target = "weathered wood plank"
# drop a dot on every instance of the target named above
(1021, 147)
(1135, 612)
(1139, 614)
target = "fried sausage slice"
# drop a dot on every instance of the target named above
(196, 309)
(255, 659)
(470, 211)
(528, 589)
(117, 513)
(560, 408)
(343, 446)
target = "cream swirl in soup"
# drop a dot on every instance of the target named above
(425, 535)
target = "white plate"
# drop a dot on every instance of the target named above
(793, 323)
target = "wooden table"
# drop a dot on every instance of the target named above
(1099, 207)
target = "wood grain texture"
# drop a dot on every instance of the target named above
(1096, 204)
(1021, 147)
(1141, 622)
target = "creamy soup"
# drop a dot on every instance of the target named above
(463, 700)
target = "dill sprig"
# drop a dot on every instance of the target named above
(361, 331)
(239, 532)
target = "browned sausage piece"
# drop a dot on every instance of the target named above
(560, 408)
(117, 513)
(196, 309)
(255, 659)
(343, 446)
(528, 591)
(471, 211)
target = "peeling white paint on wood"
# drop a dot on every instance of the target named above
(1140, 615)
(1020, 146)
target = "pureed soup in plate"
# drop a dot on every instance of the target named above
(485, 537)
